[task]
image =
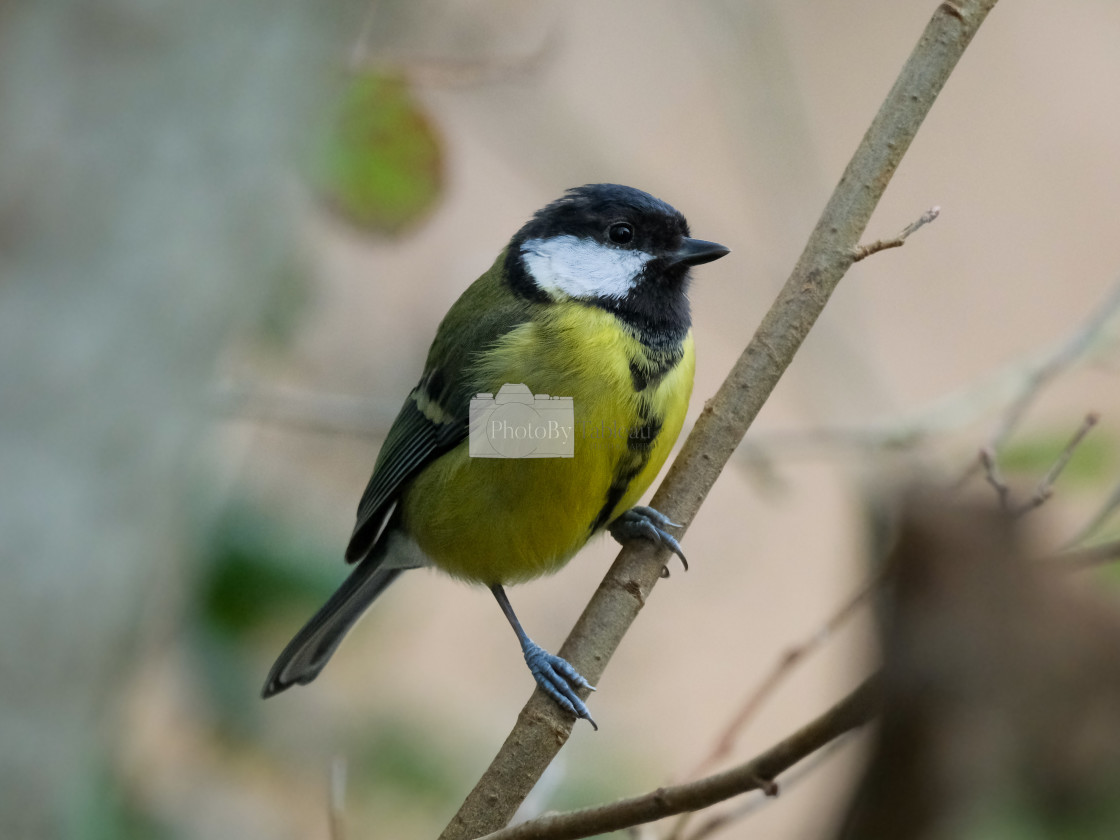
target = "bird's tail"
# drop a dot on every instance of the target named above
(306, 654)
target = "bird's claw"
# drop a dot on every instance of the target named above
(648, 524)
(559, 680)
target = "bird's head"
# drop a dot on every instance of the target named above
(614, 247)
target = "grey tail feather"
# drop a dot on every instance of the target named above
(307, 653)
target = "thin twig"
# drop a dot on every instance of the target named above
(778, 674)
(782, 668)
(853, 711)
(756, 801)
(1010, 389)
(1045, 488)
(995, 478)
(862, 251)
(1098, 519)
(443, 72)
(460, 73)
(1035, 377)
(306, 411)
(336, 812)
(1091, 556)
(369, 20)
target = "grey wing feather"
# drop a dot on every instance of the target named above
(413, 442)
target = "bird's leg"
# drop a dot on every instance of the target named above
(648, 524)
(554, 675)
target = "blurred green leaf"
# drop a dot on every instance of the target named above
(259, 567)
(110, 812)
(1030, 812)
(403, 757)
(383, 165)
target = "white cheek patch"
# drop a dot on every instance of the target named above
(582, 268)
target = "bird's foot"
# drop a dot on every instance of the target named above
(648, 524)
(559, 680)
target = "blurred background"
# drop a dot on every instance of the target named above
(227, 235)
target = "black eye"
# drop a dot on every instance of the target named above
(620, 233)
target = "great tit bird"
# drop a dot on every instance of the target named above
(589, 301)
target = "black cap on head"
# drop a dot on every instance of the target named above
(587, 212)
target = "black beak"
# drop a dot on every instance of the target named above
(698, 252)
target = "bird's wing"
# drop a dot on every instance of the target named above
(436, 416)
(414, 441)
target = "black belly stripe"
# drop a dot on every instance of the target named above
(630, 467)
(655, 367)
(639, 445)
(642, 437)
(638, 376)
(645, 371)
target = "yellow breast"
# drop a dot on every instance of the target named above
(503, 520)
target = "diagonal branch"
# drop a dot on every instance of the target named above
(541, 728)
